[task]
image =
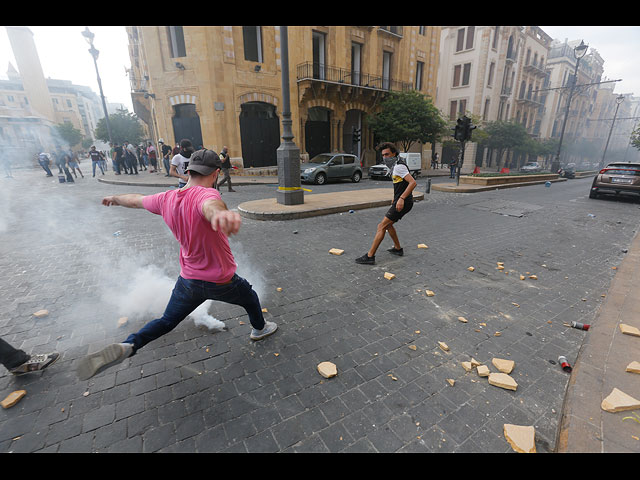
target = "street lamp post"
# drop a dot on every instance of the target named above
(580, 52)
(288, 154)
(619, 100)
(88, 35)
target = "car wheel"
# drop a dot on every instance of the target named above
(355, 178)
(321, 179)
(593, 194)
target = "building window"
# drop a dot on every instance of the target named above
(457, 108)
(176, 42)
(319, 41)
(465, 33)
(464, 71)
(485, 114)
(421, 30)
(386, 70)
(252, 37)
(356, 62)
(492, 68)
(419, 70)
(495, 38)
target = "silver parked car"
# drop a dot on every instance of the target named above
(331, 166)
(531, 167)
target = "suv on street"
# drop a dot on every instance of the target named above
(331, 166)
(617, 178)
(531, 167)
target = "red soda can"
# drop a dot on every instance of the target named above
(580, 326)
(566, 366)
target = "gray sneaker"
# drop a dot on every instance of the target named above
(35, 363)
(107, 357)
(268, 329)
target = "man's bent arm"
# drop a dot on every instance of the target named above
(129, 200)
(216, 213)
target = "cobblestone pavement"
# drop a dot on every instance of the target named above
(199, 391)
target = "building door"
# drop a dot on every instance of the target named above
(317, 131)
(259, 134)
(186, 124)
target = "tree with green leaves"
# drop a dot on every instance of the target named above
(69, 134)
(635, 138)
(504, 136)
(124, 126)
(406, 118)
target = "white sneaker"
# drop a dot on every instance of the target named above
(107, 357)
(268, 329)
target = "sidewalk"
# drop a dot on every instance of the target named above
(146, 179)
(600, 367)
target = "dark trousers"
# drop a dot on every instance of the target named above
(45, 166)
(11, 357)
(188, 295)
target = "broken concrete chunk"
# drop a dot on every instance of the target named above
(462, 319)
(502, 380)
(13, 398)
(505, 366)
(327, 369)
(467, 366)
(336, 251)
(41, 313)
(429, 293)
(618, 401)
(521, 438)
(422, 245)
(451, 381)
(443, 346)
(471, 269)
(629, 330)
(533, 277)
(483, 370)
(122, 321)
(521, 277)
(633, 367)
(474, 362)
(389, 276)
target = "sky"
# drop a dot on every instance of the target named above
(64, 55)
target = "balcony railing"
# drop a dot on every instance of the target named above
(326, 73)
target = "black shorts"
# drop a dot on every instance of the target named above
(394, 215)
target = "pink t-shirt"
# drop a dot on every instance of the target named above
(204, 254)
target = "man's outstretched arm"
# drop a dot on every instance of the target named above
(129, 200)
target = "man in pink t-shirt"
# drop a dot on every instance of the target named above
(201, 222)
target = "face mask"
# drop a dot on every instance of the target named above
(390, 161)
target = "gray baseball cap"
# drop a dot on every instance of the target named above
(204, 162)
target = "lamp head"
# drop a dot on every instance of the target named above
(581, 49)
(88, 35)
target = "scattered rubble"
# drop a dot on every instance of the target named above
(504, 366)
(633, 367)
(327, 369)
(521, 438)
(618, 401)
(502, 380)
(389, 276)
(629, 330)
(422, 245)
(41, 313)
(336, 251)
(429, 293)
(122, 321)
(13, 398)
(443, 346)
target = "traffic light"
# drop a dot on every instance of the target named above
(458, 131)
(356, 135)
(467, 128)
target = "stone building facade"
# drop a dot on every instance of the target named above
(221, 85)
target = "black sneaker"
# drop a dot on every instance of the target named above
(399, 251)
(366, 260)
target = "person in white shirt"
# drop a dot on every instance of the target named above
(180, 162)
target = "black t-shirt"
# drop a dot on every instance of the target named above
(118, 151)
(95, 156)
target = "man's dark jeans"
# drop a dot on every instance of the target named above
(11, 357)
(188, 295)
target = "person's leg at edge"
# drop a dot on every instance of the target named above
(182, 302)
